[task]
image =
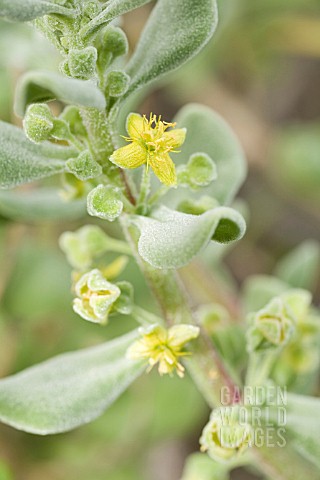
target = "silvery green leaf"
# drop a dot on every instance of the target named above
(172, 239)
(69, 390)
(303, 422)
(113, 9)
(201, 467)
(21, 161)
(175, 32)
(42, 204)
(260, 289)
(40, 86)
(300, 267)
(207, 132)
(26, 10)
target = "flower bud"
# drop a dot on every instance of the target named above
(200, 171)
(82, 63)
(117, 83)
(84, 166)
(96, 297)
(91, 9)
(71, 115)
(104, 202)
(227, 435)
(38, 122)
(82, 246)
(115, 41)
(272, 326)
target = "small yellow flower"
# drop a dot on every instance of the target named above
(150, 145)
(163, 346)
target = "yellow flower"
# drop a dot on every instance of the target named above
(150, 145)
(163, 346)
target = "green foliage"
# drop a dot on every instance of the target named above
(174, 33)
(172, 239)
(114, 9)
(26, 10)
(69, 390)
(44, 86)
(209, 133)
(200, 171)
(41, 205)
(201, 467)
(21, 161)
(300, 267)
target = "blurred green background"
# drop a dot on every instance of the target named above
(261, 72)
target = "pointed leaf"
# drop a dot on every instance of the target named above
(40, 86)
(69, 390)
(303, 423)
(172, 239)
(26, 10)
(44, 204)
(207, 132)
(175, 32)
(22, 161)
(300, 267)
(114, 9)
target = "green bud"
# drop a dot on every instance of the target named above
(73, 188)
(82, 246)
(96, 297)
(200, 171)
(198, 206)
(84, 166)
(124, 303)
(272, 327)
(89, 242)
(91, 9)
(228, 434)
(38, 122)
(114, 40)
(117, 83)
(71, 115)
(82, 63)
(60, 130)
(104, 202)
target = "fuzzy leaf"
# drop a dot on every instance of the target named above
(172, 239)
(207, 132)
(302, 423)
(300, 267)
(69, 390)
(39, 86)
(22, 161)
(114, 9)
(26, 10)
(43, 204)
(175, 32)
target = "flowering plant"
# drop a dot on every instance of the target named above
(171, 189)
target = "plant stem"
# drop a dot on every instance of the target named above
(259, 367)
(144, 187)
(205, 365)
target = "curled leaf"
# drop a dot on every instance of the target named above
(172, 239)
(40, 86)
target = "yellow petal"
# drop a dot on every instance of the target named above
(164, 168)
(130, 156)
(135, 125)
(175, 138)
(181, 334)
